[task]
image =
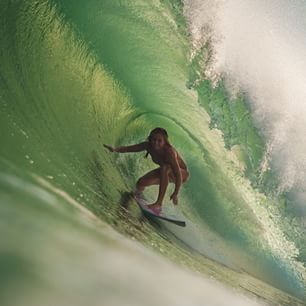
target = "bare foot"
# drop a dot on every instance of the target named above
(155, 205)
(155, 208)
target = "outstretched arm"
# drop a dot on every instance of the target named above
(125, 149)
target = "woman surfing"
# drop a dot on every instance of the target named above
(171, 166)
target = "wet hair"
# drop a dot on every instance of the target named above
(158, 130)
(155, 131)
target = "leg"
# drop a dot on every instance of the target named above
(151, 178)
(159, 176)
(166, 175)
(163, 184)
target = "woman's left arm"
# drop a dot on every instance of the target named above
(177, 173)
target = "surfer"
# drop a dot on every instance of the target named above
(171, 165)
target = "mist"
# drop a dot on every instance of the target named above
(260, 48)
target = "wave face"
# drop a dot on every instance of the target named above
(246, 37)
(75, 75)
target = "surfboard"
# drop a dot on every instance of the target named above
(143, 205)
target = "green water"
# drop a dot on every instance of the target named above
(75, 75)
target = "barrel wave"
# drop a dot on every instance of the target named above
(77, 74)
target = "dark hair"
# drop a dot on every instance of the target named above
(155, 131)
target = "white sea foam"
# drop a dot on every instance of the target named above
(260, 47)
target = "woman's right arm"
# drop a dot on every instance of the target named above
(125, 149)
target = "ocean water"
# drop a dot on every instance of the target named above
(77, 74)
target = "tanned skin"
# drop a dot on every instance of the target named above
(171, 168)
